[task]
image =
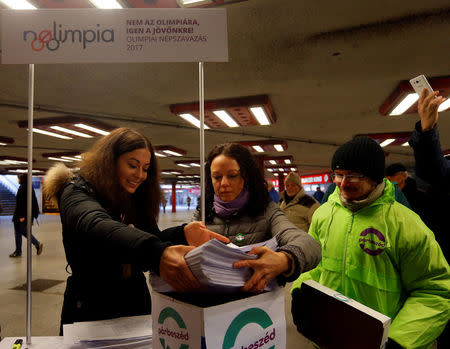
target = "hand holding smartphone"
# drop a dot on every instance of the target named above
(419, 83)
(428, 107)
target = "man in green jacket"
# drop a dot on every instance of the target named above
(379, 252)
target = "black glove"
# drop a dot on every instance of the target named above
(391, 344)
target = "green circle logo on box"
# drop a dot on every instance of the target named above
(252, 315)
(167, 313)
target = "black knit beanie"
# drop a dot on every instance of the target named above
(362, 155)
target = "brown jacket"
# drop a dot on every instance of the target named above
(300, 209)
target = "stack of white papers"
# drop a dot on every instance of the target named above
(212, 264)
(125, 332)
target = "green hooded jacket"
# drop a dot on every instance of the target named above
(385, 257)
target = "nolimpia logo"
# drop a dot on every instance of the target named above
(52, 40)
(167, 313)
(372, 241)
(252, 315)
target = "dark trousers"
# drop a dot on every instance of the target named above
(20, 228)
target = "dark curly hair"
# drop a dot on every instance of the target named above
(250, 172)
(98, 167)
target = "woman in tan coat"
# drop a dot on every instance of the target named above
(296, 204)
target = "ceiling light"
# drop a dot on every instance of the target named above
(260, 115)
(12, 162)
(287, 161)
(273, 162)
(18, 4)
(258, 148)
(389, 138)
(226, 118)
(78, 156)
(70, 158)
(444, 106)
(293, 169)
(76, 133)
(92, 129)
(160, 155)
(405, 104)
(174, 153)
(19, 170)
(47, 133)
(2, 143)
(229, 112)
(58, 159)
(406, 144)
(193, 164)
(387, 142)
(106, 4)
(404, 99)
(278, 147)
(275, 174)
(193, 120)
(237, 111)
(183, 165)
(191, 3)
(270, 169)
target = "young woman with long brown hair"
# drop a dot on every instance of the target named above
(109, 216)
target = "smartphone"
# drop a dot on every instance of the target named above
(419, 83)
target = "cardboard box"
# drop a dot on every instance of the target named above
(248, 323)
(334, 321)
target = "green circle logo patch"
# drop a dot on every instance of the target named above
(165, 314)
(252, 315)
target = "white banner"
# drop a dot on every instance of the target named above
(114, 36)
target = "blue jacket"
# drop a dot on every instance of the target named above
(274, 196)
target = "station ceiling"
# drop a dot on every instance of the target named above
(326, 66)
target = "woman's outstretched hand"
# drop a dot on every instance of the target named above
(269, 265)
(197, 234)
(175, 271)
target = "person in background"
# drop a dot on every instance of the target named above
(164, 203)
(273, 194)
(379, 252)
(188, 201)
(331, 188)
(418, 200)
(110, 234)
(431, 165)
(20, 217)
(318, 194)
(434, 168)
(296, 204)
(238, 206)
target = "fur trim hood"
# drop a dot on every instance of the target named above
(55, 179)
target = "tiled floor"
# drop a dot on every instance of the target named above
(50, 265)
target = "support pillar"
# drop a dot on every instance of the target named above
(173, 198)
(281, 178)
